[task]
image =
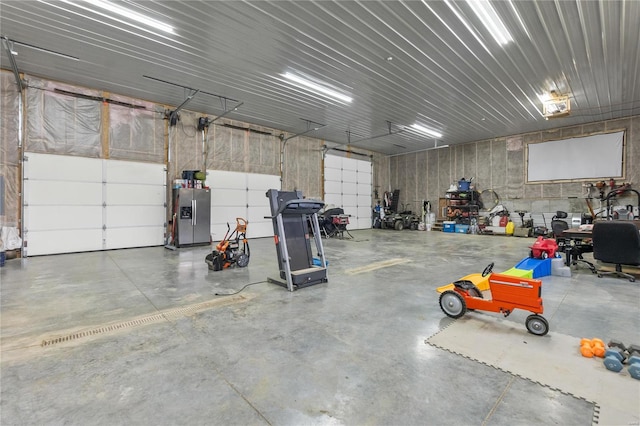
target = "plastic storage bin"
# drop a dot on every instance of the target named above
(448, 226)
(462, 229)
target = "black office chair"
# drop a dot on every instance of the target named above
(558, 225)
(617, 242)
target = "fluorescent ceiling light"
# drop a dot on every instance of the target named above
(490, 19)
(135, 16)
(426, 131)
(318, 88)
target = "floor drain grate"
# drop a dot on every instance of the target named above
(161, 316)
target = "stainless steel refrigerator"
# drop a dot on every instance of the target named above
(192, 208)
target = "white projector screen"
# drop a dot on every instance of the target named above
(591, 157)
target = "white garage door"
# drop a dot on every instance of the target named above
(236, 194)
(75, 204)
(347, 184)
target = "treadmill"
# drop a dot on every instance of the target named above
(293, 218)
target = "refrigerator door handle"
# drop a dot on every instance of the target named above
(194, 209)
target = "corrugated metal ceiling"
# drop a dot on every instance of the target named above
(402, 62)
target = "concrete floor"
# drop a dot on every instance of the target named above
(351, 351)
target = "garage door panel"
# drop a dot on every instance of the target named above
(64, 241)
(227, 180)
(228, 197)
(364, 189)
(349, 164)
(257, 214)
(349, 188)
(364, 200)
(364, 166)
(147, 236)
(349, 176)
(63, 168)
(331, 187)
(118, 194)
(349, 200)
(66, 194)
(224, 214)
(126, 216)
(129, 172)
(55, 193)
(262, 183)
(364, 178)
(334, 199)
(257, 198)
(333, 162)
(218, 230)
(364, 211)
(260, 229)
(364, 223)
(63, 217)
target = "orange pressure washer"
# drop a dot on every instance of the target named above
(229, 252)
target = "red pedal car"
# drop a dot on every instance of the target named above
(544, 248)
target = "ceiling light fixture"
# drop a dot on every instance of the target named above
(555, 105)
(138, 17)
(426, 131)
(318, 88)
(491, 21)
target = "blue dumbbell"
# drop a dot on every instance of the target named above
(634, 366)
(613, 359)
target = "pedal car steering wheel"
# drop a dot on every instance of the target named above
(487, 270)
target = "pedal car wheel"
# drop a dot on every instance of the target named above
(536, 324)
(488, 269)
(242, 260)
(452, 304)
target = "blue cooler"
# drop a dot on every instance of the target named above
(448, 226)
